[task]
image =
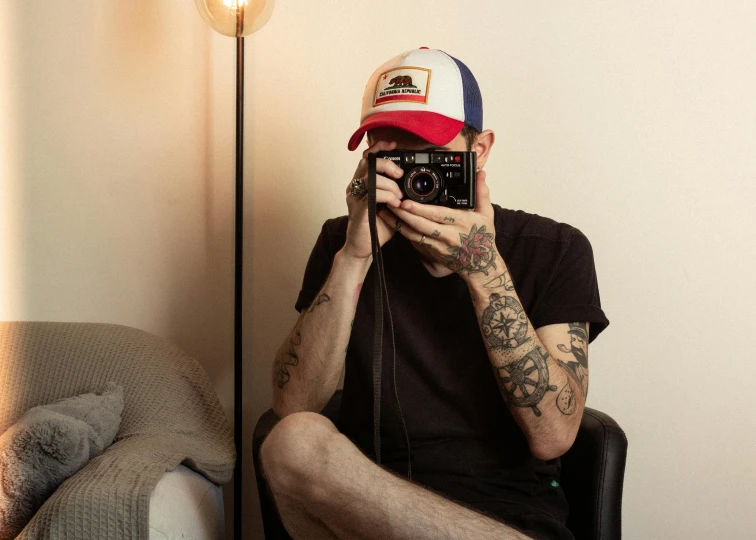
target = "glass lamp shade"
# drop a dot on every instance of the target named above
(235, 18)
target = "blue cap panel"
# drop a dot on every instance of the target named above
(471, 96)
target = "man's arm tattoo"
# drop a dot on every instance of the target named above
(502, 280)
(566, 401)
(578, 335)
(476, 253)
(524, 382)
(504, 323)
(322, 298)
(580, 376)
(290, 360)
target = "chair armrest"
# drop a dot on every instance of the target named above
(593, 472)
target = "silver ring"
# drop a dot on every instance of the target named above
(357, 187)
(421, 240)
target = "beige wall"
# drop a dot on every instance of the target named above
(111, 209)
(634, 122)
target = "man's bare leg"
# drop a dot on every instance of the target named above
(325, 487)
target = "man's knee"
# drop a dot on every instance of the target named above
(296, 453)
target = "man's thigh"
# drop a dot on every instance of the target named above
(505, 502)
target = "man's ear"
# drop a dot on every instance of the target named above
(482, 147)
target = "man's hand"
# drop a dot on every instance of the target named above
(463, 240)
(387, 191)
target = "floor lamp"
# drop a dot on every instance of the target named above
(237, 18)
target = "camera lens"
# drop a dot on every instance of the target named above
(423, 184)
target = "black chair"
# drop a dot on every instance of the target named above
(593, 471)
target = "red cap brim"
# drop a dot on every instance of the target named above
(433, 127)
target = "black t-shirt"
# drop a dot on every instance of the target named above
(456, 419)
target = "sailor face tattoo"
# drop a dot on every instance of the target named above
(504, 323)
(579, 349)
(578, 343)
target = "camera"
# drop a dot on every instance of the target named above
(441, 178)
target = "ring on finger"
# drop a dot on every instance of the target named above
(357, 187)
(421, 239)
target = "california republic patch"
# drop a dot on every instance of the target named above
(402, 84)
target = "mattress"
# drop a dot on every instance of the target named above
(186, 505)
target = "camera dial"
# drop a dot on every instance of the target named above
(422, 184)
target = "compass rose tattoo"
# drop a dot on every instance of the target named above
(504, 323)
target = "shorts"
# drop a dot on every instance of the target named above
(521, 496)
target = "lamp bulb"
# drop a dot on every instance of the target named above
(235, 18)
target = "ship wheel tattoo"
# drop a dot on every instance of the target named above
(525, 381)
(504, 323)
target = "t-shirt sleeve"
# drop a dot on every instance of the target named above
(573, 294)
(319, 264)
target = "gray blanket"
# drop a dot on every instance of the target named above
(171, 416)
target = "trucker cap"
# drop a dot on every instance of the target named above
(424, 91)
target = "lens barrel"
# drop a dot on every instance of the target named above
(422, 184)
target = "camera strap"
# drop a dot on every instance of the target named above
(381, 293)
(378, 330)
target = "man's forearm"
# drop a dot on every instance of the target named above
(309, 363)
(529, 378)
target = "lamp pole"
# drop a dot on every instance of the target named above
(238, 258)
(237, 18)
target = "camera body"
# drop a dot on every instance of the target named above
(436, 177)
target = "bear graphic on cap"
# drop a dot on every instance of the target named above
(401, 81)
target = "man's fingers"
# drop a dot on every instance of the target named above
(382, 167)
(381, 196)
(431, 212)
(422, 225)
(382, 184)
(427, 241)
(393, 221)
(380, 146)
(482, 195)
(387, 197)
(388, 167)
(386, 184)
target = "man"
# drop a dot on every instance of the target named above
(468, 291)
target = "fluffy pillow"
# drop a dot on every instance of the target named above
(47, 445)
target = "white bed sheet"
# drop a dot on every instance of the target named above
(186, 505)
